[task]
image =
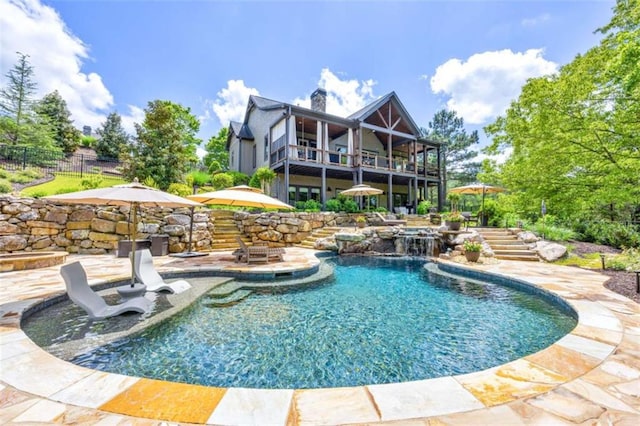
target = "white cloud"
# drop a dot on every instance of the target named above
(135, 115)
(232, 101)
(344, 97)
(535, 21)
(483, 87)
(56, 55)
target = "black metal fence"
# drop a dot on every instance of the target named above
(16, 158)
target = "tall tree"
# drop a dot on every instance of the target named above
(113, 138)
(217, 157)
(573, 136)
(165, 144)
(18, 122)
(54, 109)
(455, 153)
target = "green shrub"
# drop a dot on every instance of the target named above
(198, 178)
(5, 186)
(92, 181)
(613, 234)
(20, 178)
(38, 194)
(88, 141)
(300, 205)
(333, 205)
(4, 174)
(552, 232)
(66, 190)
(311, 206)
(350, 206)
(222, 180)
(180, 189)
(423, 207)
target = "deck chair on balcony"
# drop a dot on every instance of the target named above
(146, 273)
(389, 222)
(75, 279)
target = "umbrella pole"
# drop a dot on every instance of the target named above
(133, 245)
(190, 230)
(483, 213)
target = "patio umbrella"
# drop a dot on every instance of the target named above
(133, 194)
(477, 188)
(240, 196)
(361, 190)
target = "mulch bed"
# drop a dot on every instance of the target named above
(621, 282)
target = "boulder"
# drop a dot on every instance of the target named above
(111, 216)
(178, 219)
(7, 228)
(550, 251)
(103, 225)
(30, 215)
(82, 215)
(12, 243)
(528, 237)
(57, 215)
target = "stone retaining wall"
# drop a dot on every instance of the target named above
(28, 224)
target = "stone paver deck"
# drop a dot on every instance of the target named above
(591, 376)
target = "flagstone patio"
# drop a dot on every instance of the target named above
(592, 375)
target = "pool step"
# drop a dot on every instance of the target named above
(227, 300)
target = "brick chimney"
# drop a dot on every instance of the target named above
(319, 100)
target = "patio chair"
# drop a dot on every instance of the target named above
(147, 274)
(75, 279)
(390, 222)
(468, 218)
(257, 253)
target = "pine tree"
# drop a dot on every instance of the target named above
(54, 109)
(16, 102)
(113, 138)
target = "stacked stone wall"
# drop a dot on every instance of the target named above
(28, 224)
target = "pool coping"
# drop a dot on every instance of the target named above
(596, 365)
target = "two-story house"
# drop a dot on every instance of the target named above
(316, 155)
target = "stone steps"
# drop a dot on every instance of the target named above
(309, 241)
(506, 245)
(227, 300)
(225, 231)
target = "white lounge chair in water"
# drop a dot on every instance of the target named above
(75, 278)
(147, 274)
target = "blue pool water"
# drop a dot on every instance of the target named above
(378, 321)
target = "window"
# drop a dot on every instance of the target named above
(266, 147)
(303, 193)
(254, 155)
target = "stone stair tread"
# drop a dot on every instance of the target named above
(231, 299)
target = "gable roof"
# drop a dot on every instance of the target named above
(241, 130)
(370, 109)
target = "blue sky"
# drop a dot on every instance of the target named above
(470, 56)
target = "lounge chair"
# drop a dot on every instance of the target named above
(147, 274)
(390, 222)
(75, 278)
(257, 253)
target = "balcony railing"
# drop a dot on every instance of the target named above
(337, 158)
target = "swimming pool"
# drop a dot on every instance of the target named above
(379, 321)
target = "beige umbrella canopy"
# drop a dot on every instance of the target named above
(361, 190)
(134, 194)
(240, 196)
(476, 189)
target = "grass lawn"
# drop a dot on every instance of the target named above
(64, 183)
